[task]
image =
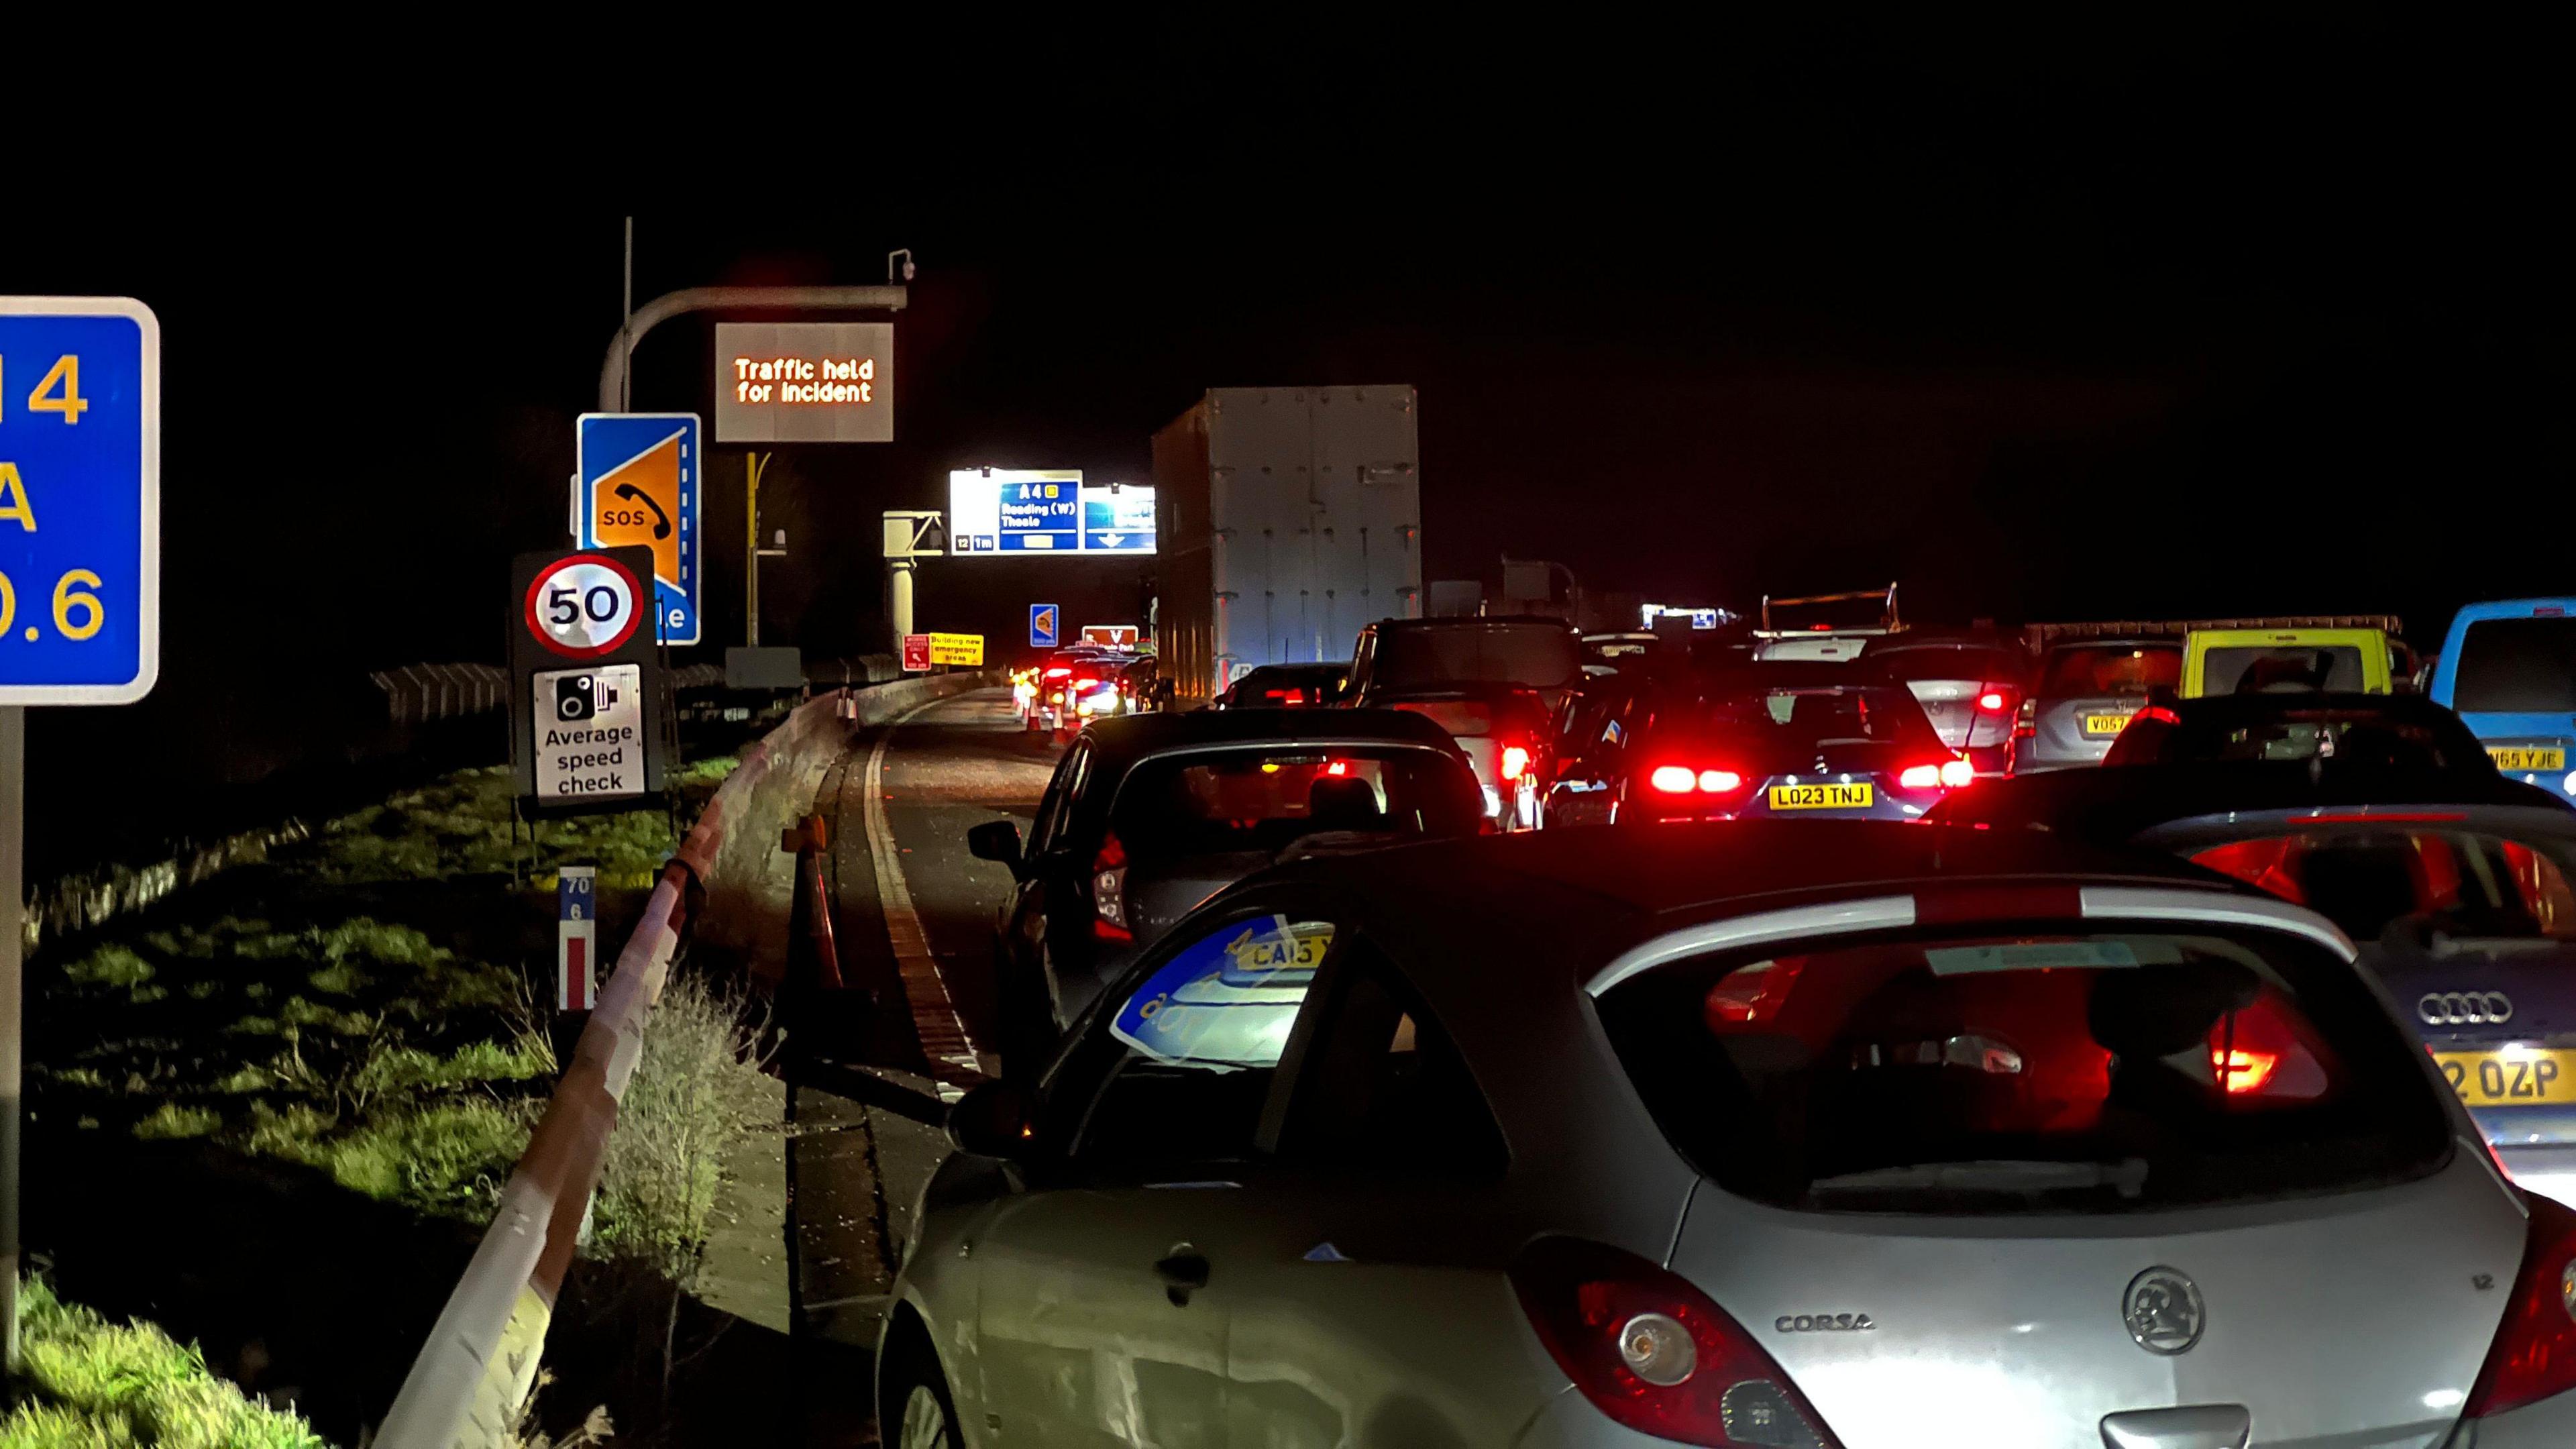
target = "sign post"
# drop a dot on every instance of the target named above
(80, 590)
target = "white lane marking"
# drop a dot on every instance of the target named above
(934, 1012)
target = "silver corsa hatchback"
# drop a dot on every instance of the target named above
(1859, 1135)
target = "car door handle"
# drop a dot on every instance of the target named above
(1184, 1269)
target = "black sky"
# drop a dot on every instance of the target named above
(2186, 317)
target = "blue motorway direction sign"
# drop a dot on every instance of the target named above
(1046, 511)
(1117, 519)
(80, 500)
(1042, 629)
(641, 483)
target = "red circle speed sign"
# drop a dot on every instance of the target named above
(584, 606)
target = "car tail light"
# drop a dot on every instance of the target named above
(1682, 780)
(2156, 714)
(2534, 1355)
(1515, 761)
(1656, 1354)
(1082, 684)
(1955, 773)
(1338, 767)
(1058, 673)
(1947, 775)
(1996, 699)
(1109, 891)
(2026, 724)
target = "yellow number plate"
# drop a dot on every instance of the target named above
(2105, 724)
(1823, 797)
(2528, 757)
(2520, 1078)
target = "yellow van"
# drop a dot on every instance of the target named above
(2255, 660)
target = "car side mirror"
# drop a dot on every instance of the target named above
(994, 1119)
(997, 841)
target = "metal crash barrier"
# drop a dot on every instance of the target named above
(466, 1386)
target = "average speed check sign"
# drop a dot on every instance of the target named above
(584, 606)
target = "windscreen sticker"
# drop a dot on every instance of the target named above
(1227, 999)
(2029, 956)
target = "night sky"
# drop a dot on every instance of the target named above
(2199, 319)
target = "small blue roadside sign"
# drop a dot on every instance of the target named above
(1042, 626)
(642, 482)
(80, 500)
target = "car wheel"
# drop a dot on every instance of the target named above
(924, 1418)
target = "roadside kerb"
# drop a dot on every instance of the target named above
(465, 1388)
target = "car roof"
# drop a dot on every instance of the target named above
(1942, 639)
(1136, 736)
(2222, 709)
(2118, 801)
(1751, 674)
(1582, 894)
(1475, 621)
(1305, 666)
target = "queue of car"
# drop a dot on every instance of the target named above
(1853, 1035)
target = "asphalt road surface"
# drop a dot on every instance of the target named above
(913, 916)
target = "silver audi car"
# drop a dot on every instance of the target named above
(1874, 1136)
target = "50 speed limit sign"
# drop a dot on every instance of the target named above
(584, 606)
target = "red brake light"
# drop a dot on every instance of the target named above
(1338, 767)
(2156, 714)
(1920, 777)
(2549, 611)
(1656, 1354)
(1515, 760)
(2026, 724)
(1992, 699)
(2242, 1070)
(1109, 891)
(1058, 673)
(1955, 773)
(2534, 1355)
(1682, 779)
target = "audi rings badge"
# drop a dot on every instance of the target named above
(2464, 1008)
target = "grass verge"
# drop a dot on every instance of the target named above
(88, 1383)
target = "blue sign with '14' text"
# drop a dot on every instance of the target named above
(80, 500)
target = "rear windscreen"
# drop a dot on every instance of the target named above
(2406, 884)
(2266, 669)
(2075, 671)
(2100, 1071)
(1271, 686)
(2348, 737)
(1263, 800)
(1789, 727)
(2526, 665)
(1998, 666)
(1531, 656)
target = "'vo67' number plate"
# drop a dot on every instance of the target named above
(2519, 1078)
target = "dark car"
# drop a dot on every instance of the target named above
(2458, 886)
(1287, 686)
(2084, 693)
(1147, 817)
(1500, 685)
(2391, 731)
(1799, 739)
(1969, 684)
